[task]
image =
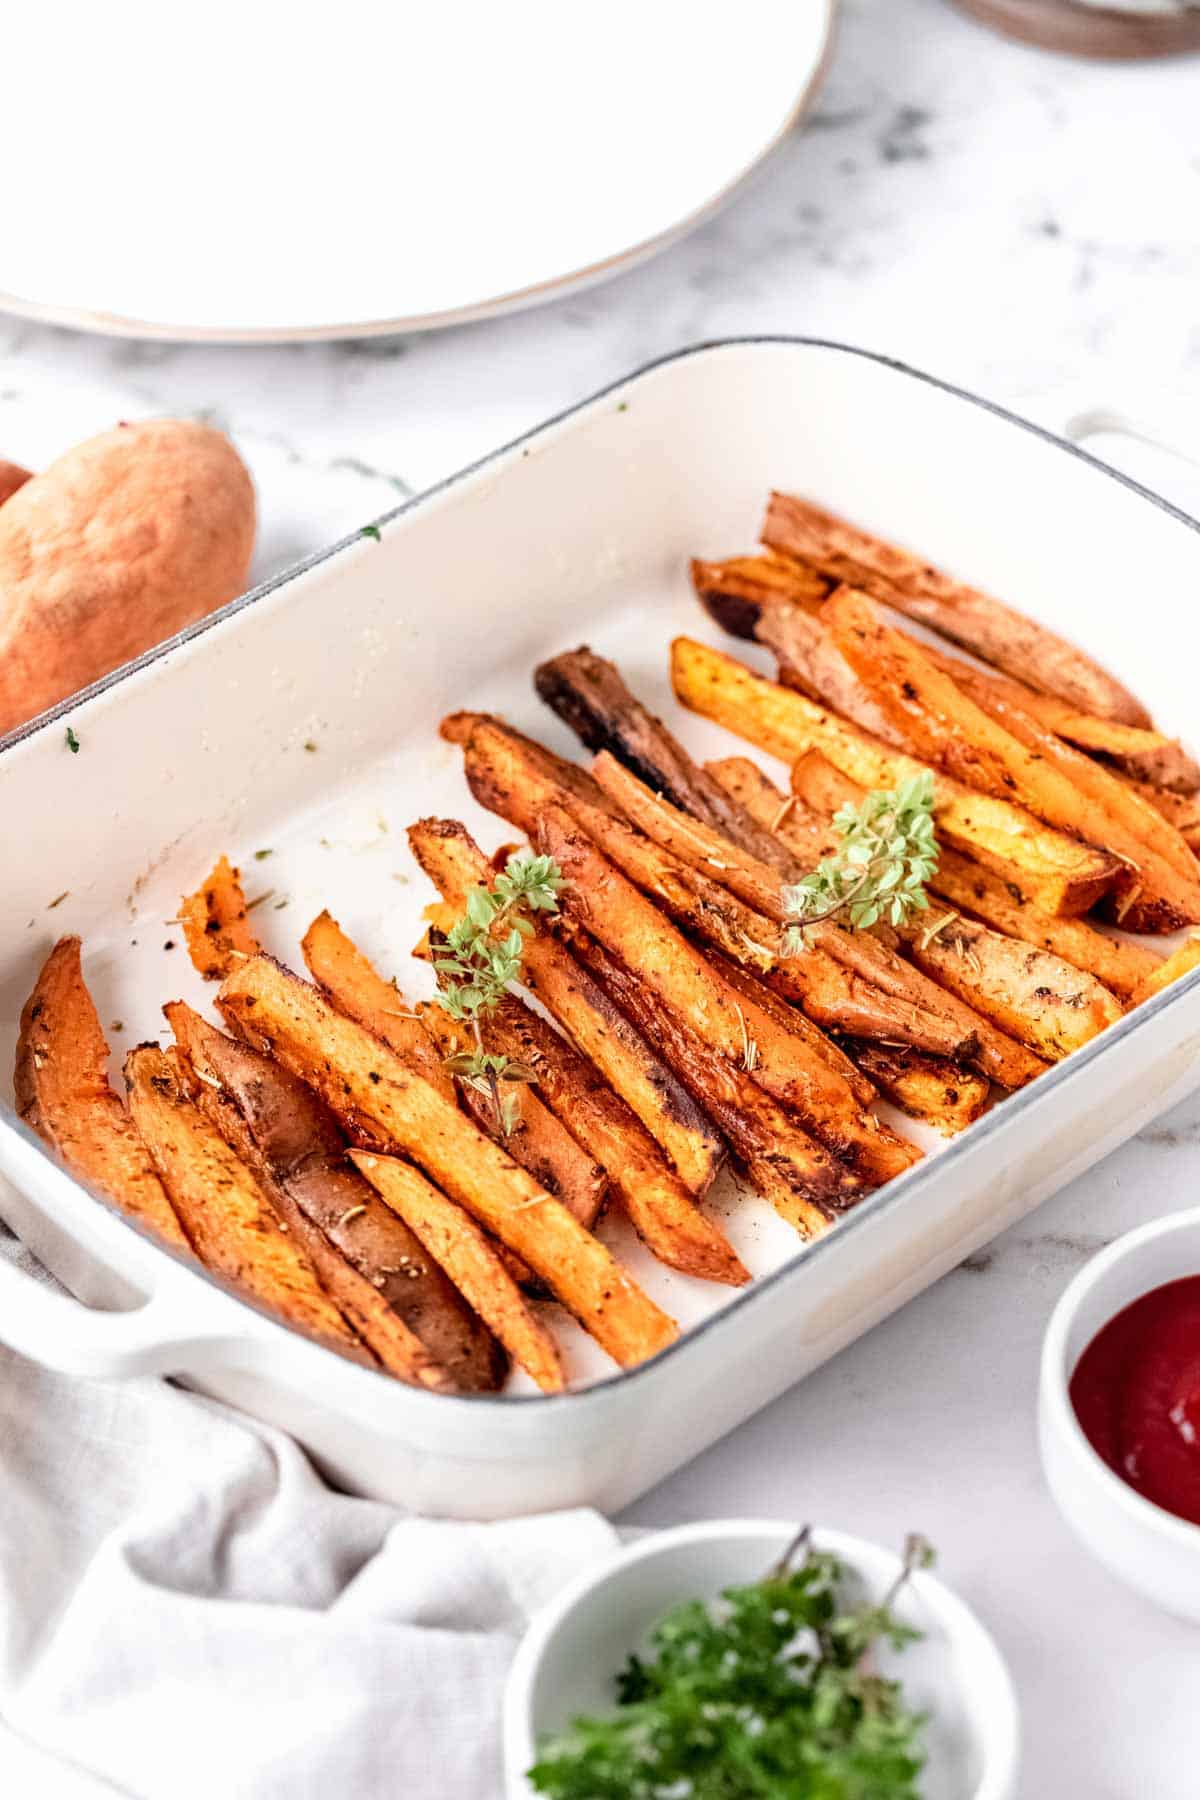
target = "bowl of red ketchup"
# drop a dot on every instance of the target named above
(1119, 1410)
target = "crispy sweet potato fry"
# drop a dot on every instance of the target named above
(791, 1018)
(455, 864)
(369, 1087)
(1180, 810)
(995, 1055)
(967, 885)
(734, 591)
(1029, 993)
(1133, 750)
(61, 1088)
(1002, 751)
(228, 1217)
(601, 901)
(1181, 962)
(589, 694)
(996, 633)
(800, 1178)
(358, 989)
(929, 1088)
(839, 994)
(216, 926)
(810, 660)
(452, 1237)
(538, 1140)
(656, 1202)
(867, 956)
(1066, 877)
(293, 1144)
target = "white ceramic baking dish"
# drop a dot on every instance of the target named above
(303, 721)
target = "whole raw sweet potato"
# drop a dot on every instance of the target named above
(12, 477)
(117, 545)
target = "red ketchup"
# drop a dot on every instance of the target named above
(1136, 1393)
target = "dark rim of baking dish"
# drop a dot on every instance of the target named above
(874, 1205)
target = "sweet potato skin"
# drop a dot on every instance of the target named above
(12, 477)
(997, 633)
(1067, 877)
(216, 924)
(295, 1142)
(115, 546)
(452, 1237)
(229, 1219)
(455, 864)
(62, 1092)
(387, 1105)
(734, 591)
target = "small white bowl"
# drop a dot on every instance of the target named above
(1151, 1549)
(575, 1647)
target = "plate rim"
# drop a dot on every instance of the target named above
(100, 323)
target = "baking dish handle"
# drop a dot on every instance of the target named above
(1076, 414)
(50, 1327)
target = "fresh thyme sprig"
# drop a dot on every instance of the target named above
(886, 854)
(772, 1689)
(478, 961)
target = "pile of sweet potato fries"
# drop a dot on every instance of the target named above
(324, 1155)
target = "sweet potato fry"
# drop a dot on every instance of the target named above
(1001, 751)
(229, 1219)
(601, 901)
(455, 864)
(810, 660)
(1147, 756)
(453, 1239)
(61, 1088)
(1065, 876)
(996, 633)
(994, 1054)
(939, 1093)
(589, 694)
(835, 993)
(1180, 962)
(538, 1140)
(654, 1199)
(293, 1144)
(792, 1019)
(1180, 810)
(972, 889)
(216, 925)
(734, 591)
(866, 956)
(800, 1178)
(368, 1086)
(358, 989)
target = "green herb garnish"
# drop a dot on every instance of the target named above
(72, 742)
(768, 1694)
(372, 531)
(886, 854)
(478, 961)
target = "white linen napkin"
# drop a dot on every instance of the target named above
(188, 1612)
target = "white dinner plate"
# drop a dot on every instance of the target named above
(256, 172)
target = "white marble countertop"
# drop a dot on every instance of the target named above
(1013, 222)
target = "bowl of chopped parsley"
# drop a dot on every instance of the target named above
(740, 1660)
